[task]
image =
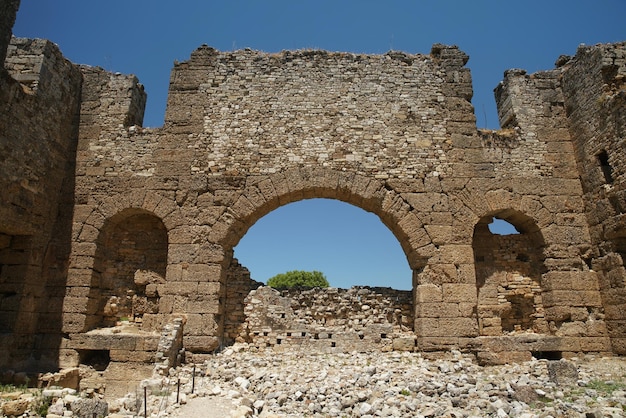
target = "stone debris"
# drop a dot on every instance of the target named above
(244, 381)
(294, 384)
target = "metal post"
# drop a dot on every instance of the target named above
(178, 391)
(193, 379)
(145, 402)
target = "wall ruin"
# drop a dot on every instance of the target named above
(107, 223)
(324, 320)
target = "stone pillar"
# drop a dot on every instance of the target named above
(445, 300)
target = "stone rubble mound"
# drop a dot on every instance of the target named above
(400, 384)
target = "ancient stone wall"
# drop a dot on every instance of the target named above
(39, 107)
(247, 132)
(238, 286)
(106, 223)
(595, 83)
(319, 320)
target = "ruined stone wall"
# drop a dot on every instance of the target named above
(318, 320)
(238, 286)
(39, 105)
(394, 134)
(385, 115)
(596, 102)
(156, 213)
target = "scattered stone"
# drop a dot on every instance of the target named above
(563, 372)
(86, 408)
(15, 408)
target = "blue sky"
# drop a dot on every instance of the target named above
(145, 37)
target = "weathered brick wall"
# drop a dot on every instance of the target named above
(596, 102)
(38, 132)
(356, 319)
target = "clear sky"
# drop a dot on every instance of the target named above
(145, 37)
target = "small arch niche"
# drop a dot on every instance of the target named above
(509, 261)
(130, 262)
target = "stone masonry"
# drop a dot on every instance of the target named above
(107, 223)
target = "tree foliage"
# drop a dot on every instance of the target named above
(298, 278)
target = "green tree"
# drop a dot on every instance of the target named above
(298, 278)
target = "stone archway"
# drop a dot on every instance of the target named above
(265, 194)
(345, 316)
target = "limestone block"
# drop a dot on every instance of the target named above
(182, 235)
(181, 253)
(562, 298)
(428, 293)
(618, 345)
(68, 358)
(557, 280)
(198, 324)
(572, 329)
(79, 277)
(201, 273)
(444, 327)
(595, 344)
(84, 249)
(439, 234)
(404, 343)
(612, 312)
(81, 262)
(438, 310)
(202, 344)
(490, 358)
(458, 292)
(557, 313)
(206, 304)
(15, 408)
(211, 288)
(591, 298)
(133, 356)
(178, 288)
(455, 254)
(86, 232)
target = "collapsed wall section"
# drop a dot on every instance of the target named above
(324, 320)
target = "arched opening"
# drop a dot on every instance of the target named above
(509, 263)
(131, 259)
(351, 246)
(370, 300)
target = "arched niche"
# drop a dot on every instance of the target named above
(508, 275)
(130, 260)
